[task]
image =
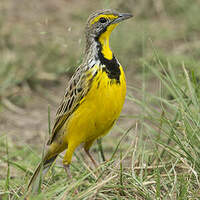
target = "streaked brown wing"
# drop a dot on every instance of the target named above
(77, 88)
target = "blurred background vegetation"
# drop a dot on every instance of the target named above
(41, 44)
(44, 39)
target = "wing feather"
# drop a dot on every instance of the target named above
(77, 89)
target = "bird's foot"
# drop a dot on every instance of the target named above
(67, 170)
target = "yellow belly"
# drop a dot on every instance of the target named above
(97, 111)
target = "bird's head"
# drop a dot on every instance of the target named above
(103, 22)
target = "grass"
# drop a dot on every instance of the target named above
(161, 162)
(157, 157)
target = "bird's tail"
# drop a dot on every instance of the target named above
(39, 173)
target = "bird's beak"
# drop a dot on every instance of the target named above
(122, 17)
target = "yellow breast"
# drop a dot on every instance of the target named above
(98, 110)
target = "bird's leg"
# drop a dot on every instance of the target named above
(67, 170)
(91, 158)
(87, 146)
(67, 159)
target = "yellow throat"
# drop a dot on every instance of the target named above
(104, 41)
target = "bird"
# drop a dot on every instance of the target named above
(93, 98)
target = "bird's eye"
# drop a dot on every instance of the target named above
(103, 20)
